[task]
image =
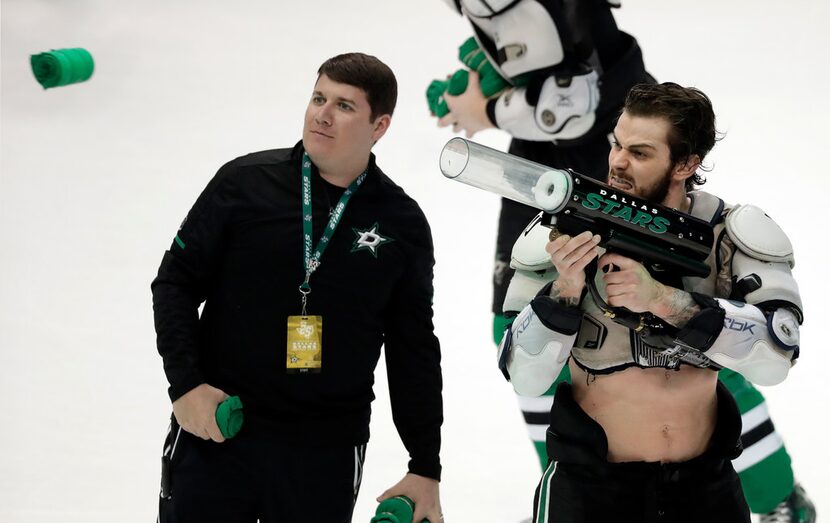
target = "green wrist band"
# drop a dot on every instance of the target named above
(492, 85)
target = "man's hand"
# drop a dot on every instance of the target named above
(468, 111)
(631, 286)
(423, 492)
(570, 256)
(196, 412)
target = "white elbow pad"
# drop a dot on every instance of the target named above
(565, 110)
(758, 347)
(538, 344)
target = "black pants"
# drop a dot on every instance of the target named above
(252, 477)
(580, 485)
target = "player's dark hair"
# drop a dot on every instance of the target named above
(690, 113)
(368, 74)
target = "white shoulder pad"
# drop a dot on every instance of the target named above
(529, 252)
(758, 236)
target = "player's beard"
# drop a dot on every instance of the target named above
(655, 193)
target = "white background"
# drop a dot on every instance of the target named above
(97, 176)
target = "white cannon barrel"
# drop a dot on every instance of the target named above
(515, 178)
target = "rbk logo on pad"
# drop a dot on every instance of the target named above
(369, 239)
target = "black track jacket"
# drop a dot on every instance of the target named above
(240, 251)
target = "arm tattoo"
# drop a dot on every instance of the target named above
(723, 284)
(681, 308)
(568, 301)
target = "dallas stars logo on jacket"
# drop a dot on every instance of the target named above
(369, 239)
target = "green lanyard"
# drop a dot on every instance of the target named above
(312, 261)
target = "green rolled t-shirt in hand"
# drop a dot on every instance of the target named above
(490, 81)
(399, 509)
(471, 55)
(490, 85)
(62, 67)
(229, 416)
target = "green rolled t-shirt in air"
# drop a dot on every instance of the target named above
(60, 67)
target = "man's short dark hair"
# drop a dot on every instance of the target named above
(368, 74)
(690, 113)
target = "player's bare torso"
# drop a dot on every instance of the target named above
(650, 414)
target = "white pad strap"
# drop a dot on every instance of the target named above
(529, 252)
(488, 8)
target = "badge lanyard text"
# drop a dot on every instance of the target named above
(312, 261)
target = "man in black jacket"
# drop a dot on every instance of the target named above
(307, 260)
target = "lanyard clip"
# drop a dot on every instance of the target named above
(305, 290)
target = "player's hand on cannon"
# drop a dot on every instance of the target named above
(630, 285)
(570, 255)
